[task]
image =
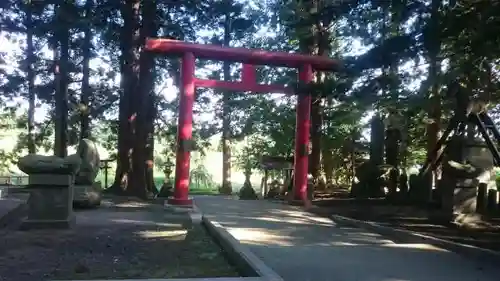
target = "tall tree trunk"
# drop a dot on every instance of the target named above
(129, 36)
(226, 120)
(86, 90)
(393, 134)
(31, 79)
(326, 149)
(61, 97)
(150, 10)
(142, 169)
(152, 115)
(328, 165)
(373, 186)
(434, 109)
(323, 46)
(316, 134)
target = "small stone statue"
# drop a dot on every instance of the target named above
(89, 155)
(87, 191)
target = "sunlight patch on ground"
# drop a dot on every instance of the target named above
(362, 239)
(163, 234)
(291, 213)
(322, 220)
(309, 221)
(132, 205)
(147, 222)
(260, 236)
(338, 244)
(418, 246)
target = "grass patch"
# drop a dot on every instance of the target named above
(194, 188)
(202, 191)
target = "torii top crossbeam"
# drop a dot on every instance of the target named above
(246, 56)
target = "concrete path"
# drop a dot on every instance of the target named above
(9, 207)
(301, 247)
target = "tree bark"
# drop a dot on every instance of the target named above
(434, 109)
(61, 70)
(322, 42)
(142, 168)
(129, 60)
(226, 120)
(86, 90)
(31, 78)
(316, 136)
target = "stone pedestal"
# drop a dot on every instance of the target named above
(465, 196)
(179, 203)
(465, 191)
(492, 201)
(482, 194)
(50, 204)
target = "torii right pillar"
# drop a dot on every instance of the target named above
(302, 137)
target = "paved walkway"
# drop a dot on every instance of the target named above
(9, 206)
(301, 247)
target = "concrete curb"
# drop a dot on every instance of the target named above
(13, 214)
(195, 215)
(415, 237)
(241, 256)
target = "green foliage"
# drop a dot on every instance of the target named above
(403, 39)
(201, 178)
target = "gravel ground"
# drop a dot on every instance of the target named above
(117, 241)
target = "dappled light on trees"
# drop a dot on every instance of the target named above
(77, 69)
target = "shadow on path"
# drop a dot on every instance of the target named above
(300, 246)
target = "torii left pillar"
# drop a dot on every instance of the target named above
(184, 133)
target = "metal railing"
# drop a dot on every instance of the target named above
(14, 180)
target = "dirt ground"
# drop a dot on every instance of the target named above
(116, 241)
(485, 235)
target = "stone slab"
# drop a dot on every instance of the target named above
(50, 179)
(178, 208)
(196, 218)
(49, 208)
(47, 224)
(50, 204)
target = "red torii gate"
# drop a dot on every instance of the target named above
(249, 58)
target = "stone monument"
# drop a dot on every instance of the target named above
(168, 185)
(247, 192)
(50, 183)
(461, 179)
(87, 191)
